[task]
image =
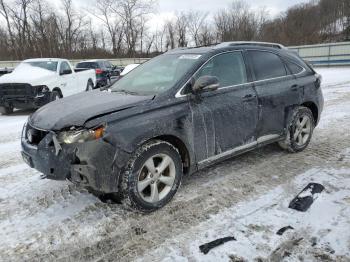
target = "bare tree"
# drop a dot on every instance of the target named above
(132, 13)
(4, 11)
(111, 21)
(181, 28)
(195, 21)
(170, 35)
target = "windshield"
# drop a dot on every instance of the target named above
(90, 65)
(157, 75)
(48, 65)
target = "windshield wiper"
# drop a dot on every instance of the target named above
(125, 92)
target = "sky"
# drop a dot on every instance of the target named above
(166, 9)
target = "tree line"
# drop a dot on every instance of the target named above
(120, 28)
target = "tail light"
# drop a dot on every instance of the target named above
(98, 71)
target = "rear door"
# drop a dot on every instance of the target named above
(226, 118)
(277, 91)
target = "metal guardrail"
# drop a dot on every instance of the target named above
(117, 61)
(330, 54)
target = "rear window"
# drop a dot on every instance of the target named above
(294, 68)
(48, 65)
(267, 65)
(89, 65)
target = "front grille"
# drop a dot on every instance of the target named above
(16, 90)
(34, 136)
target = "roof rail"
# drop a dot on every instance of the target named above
(266, 44)
(177, 49)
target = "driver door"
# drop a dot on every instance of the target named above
(225, 119)
(67, 82)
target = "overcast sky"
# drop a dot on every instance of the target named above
(275, 6)
(166, 9)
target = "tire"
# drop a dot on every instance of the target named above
(55, 95)
(5, 110)
(299, 130)
(89, 86)
(146, 188)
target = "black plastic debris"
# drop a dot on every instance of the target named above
(283, 229)
(306, 197)
(205, 248)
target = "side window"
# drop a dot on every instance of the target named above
(294, 68)
(267, 65)
(229, 68)
(65, 69)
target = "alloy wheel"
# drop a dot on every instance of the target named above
(156, 178)
(302, 130)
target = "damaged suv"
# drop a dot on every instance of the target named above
(179, 112)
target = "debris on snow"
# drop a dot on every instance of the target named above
(205, 248)
(283, 229)
(306, 197)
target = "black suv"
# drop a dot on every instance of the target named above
(177, 113)
(103, 68)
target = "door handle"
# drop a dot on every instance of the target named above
(248, 97)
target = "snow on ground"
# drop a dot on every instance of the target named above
(246, 197)
(254, 224)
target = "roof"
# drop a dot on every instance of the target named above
(45, 59)
(92, 61)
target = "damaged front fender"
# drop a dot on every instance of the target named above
(95, 164)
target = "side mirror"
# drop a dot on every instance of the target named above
(66, 72)
(205, 84)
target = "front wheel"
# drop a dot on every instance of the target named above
(152, 177)
(108, 82)
(300, 130)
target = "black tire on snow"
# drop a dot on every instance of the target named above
(129, 178)
(54, 96)
(89, 86)
(289, 143)
(5, 110)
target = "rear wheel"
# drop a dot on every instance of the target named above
(6, 110)
(300, 130)
(89, 86)
(152, 177)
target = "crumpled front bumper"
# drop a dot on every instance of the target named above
(95, 164)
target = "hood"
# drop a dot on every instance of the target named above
(28, 74)
(77, 109)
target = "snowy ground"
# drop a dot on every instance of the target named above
(246, 197)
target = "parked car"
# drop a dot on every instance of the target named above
(128, 69)
(6, 70)
(173, 115)
(103, 68)
(36, 82)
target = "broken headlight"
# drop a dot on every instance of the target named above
(80, 136)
